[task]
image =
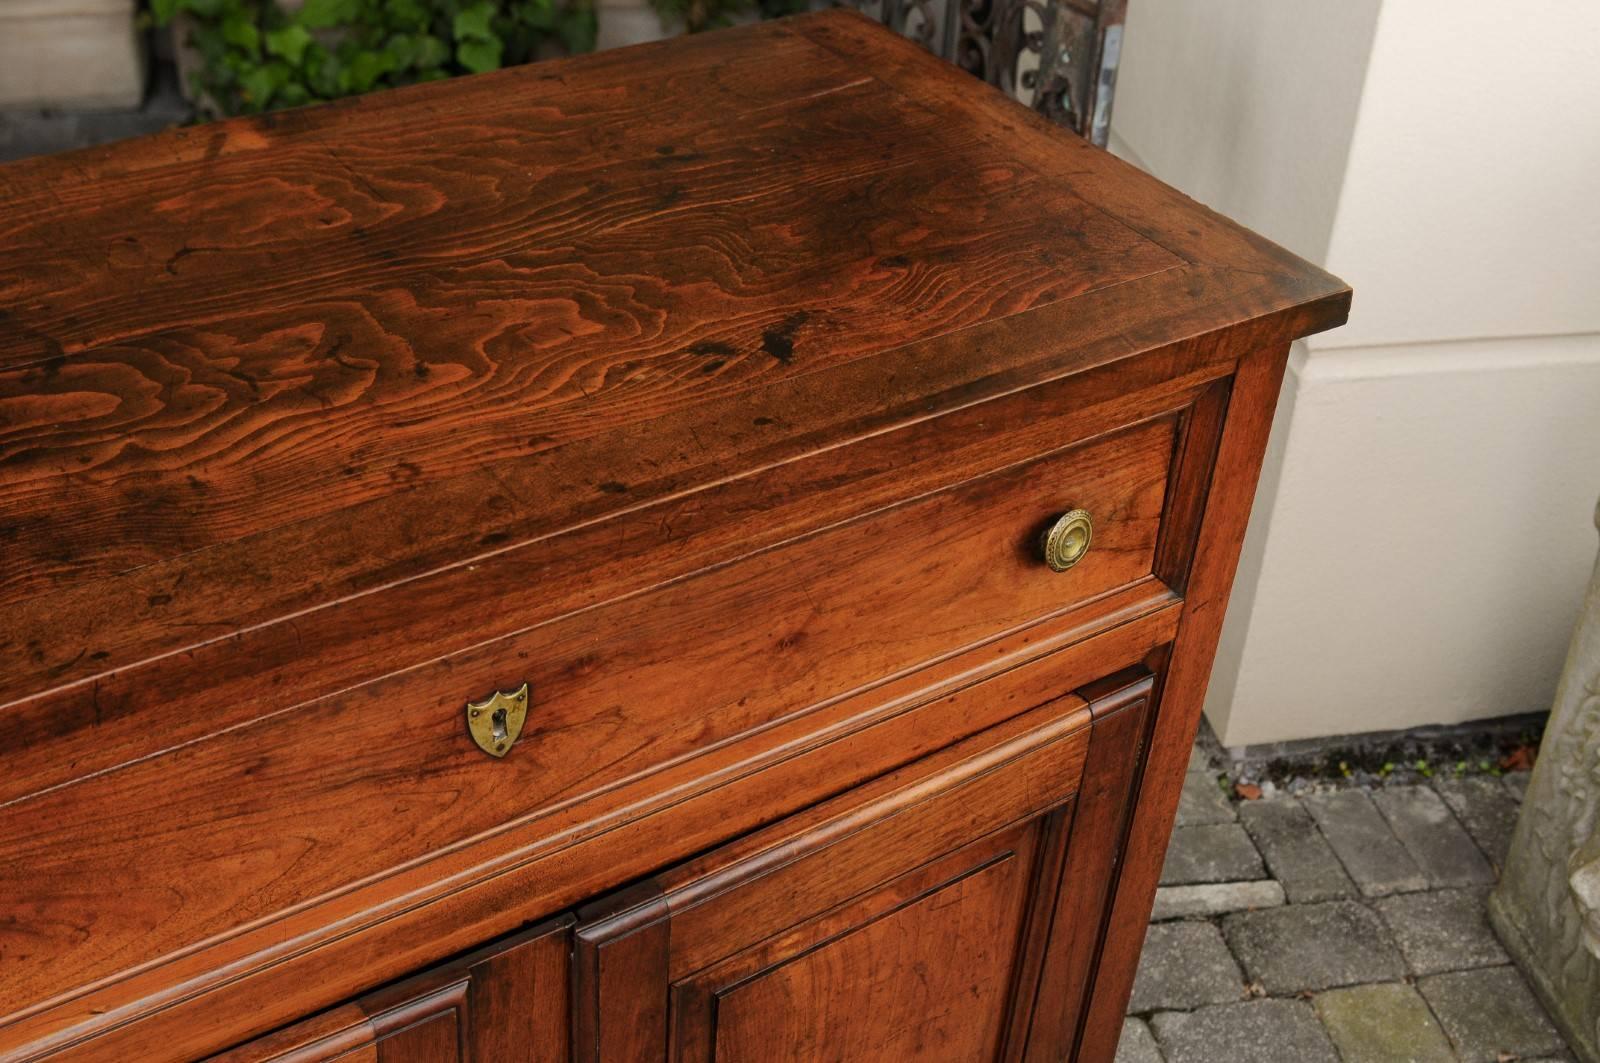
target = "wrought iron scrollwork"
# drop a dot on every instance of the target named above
(1058, 56)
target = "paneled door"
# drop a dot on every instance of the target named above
(506, 1003)
(938, 913)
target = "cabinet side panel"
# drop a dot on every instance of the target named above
(1182, 691)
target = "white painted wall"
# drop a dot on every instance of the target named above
(1471, 202)
(1422, 535)
(1247, 105)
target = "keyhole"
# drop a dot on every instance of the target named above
(497, 723)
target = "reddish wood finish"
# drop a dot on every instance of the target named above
(718, 388)
(261, 671)
(1238, 464)
(942, 912)
(1072, 938)
(505, 1003)
(613, 700)
(870, 927)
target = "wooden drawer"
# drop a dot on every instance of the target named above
(306, 804)
(705, 659)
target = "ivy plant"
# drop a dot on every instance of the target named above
(258, 55)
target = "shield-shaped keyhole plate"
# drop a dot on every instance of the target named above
(495, 724)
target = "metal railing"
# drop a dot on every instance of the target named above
(1057, 56)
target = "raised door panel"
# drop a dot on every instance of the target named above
(507, 1003)
(910, 919)
(923, 968)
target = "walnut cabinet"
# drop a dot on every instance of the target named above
(710, 551)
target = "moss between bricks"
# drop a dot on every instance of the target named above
(1401, 758)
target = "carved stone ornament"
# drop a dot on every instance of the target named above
(1547, 907)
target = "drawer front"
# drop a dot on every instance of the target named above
(367, 785)
(715, 656)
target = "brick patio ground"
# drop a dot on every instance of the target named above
(1346, 926)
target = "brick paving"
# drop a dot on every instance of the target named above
(1345, 925)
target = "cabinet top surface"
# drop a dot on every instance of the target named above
(256, 366)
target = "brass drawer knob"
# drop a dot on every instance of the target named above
(495, 722)
(1067, 540)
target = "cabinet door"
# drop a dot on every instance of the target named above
(507, 1003)
(918, 917)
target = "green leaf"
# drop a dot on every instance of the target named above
(541, 19)
(479, 56)
(363, 72)
(323, 76)
(401, 48)
(258, 86)
(256, 55)
(322, 14)
(239, 30)
(207, 40)
(431, 53)
(209, 9)
(473, 24)
(578, 29)
(289, 43)
(406, 14)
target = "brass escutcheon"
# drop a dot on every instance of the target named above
(495, 723)
(1067, 540)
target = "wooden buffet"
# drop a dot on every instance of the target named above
(706, 551)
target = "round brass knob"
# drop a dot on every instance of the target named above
(1067, 540)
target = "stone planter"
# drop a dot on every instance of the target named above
(187, 58)
(71, 54)
(620, 23)
(1547, 907)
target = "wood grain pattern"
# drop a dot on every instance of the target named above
(717, 388)
(1182, 692)
(617, 691)
(134, 712)
(505, 1003)
(822, 877)
(1071, 939)
(927, 980)
(274, 973)
(429, 322)
(381, 540)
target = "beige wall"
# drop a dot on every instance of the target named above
(1422, 536)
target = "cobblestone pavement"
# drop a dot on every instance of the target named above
(1345, 926)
